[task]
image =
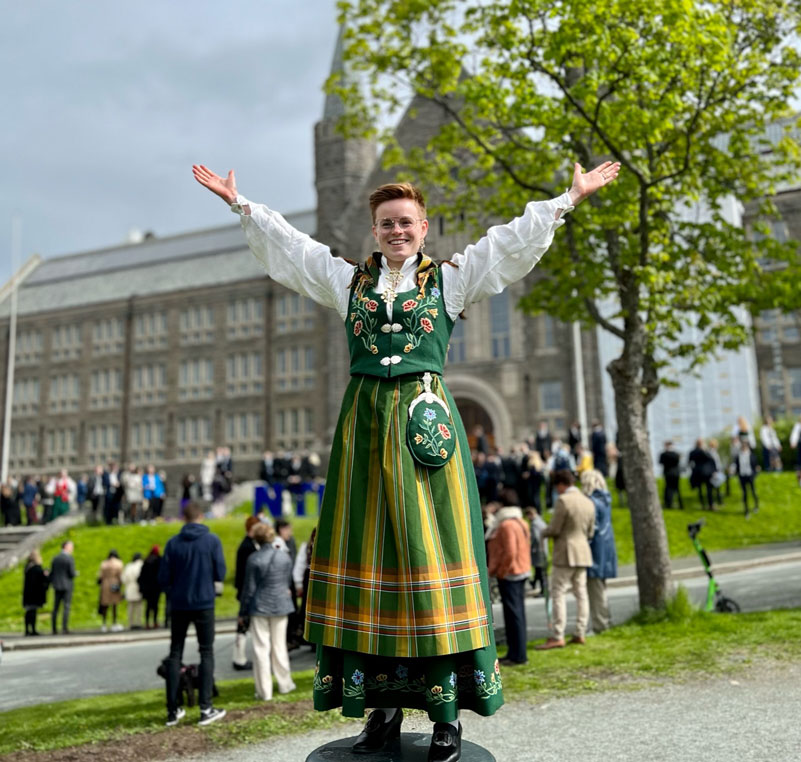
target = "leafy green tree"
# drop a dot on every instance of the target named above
(682, 93)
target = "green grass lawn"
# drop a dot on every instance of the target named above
(681, 644)
(778, 520)
(92, 544)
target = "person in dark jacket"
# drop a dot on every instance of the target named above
(602, 545)
(62, 579)
(193, 562)
(598, 447)
(9, 505)
(30, 495)
(670, 461)
(246, 548)
(34, 591)
(267, 601)
(149, 586)
(703, 466)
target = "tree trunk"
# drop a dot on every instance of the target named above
(647, 523)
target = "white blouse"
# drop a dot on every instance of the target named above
(504, 255)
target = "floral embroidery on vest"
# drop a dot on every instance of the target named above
(416, 317)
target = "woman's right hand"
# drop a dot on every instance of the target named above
(225, 188)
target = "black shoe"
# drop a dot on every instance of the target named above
(506, 661)
(247, 666)
(173, 718)
(446, 744)
(377, 733)
(207, 716)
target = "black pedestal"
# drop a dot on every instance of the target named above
(413, 747)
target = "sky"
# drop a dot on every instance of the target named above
(106, 106)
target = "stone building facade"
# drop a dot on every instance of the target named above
(777, 336)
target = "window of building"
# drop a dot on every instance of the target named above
(794, 382)
(105, 389)
(150, 331)
(244, 431)
(499, 325)
(196, 325)
(147, 441)
(245, 318)
(65, 393)
(294, 313)
(790, 333)
(244, 374)
(294, 428)
(457, 348)
(551, 398)
(195, 379)
(108, 337)
(29, 347)
(26, 396)
(149, 384)
(294, 368)
(103, 442)
(61, 447)
(775, 385)
(24, 450)
(65, 342)
(193, 437)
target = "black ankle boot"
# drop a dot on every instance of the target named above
(446, 743)
(377, 733)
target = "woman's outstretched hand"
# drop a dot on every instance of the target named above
(586, 183)
(225, 188)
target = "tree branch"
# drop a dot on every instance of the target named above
(504, 163)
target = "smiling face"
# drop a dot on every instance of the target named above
(396, 243)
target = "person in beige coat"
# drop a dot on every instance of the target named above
(109, 577)
(571, 527)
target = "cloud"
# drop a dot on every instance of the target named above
(112, 103)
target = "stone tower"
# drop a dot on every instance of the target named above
(341, 167)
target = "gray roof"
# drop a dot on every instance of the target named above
(157, 265)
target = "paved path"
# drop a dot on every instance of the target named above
(30, 677)
(751, 719)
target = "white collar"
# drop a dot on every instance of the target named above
(409, 265)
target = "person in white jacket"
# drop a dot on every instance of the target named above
(133, 595)
(771, 446)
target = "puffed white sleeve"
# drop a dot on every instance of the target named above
(294, 259)
(504, 255)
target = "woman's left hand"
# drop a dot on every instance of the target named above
(586, 183)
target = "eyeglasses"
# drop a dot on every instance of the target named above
(389, 223)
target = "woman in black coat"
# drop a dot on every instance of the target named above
(34, 591)
(149, 586)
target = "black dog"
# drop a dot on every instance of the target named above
(188, 682)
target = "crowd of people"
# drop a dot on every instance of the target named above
(113, 494)
(529, 466)
(710, 471)
(136, 584)
(584, 557)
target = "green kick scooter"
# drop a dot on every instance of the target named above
(715, 600)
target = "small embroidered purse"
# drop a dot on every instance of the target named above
(430, 434)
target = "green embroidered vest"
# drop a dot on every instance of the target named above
(414, 340)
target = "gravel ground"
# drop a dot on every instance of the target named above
(753, 718)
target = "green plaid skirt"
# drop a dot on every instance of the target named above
(398, 601)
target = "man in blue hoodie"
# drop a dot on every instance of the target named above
(192, 563)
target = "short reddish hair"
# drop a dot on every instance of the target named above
(391, 191)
